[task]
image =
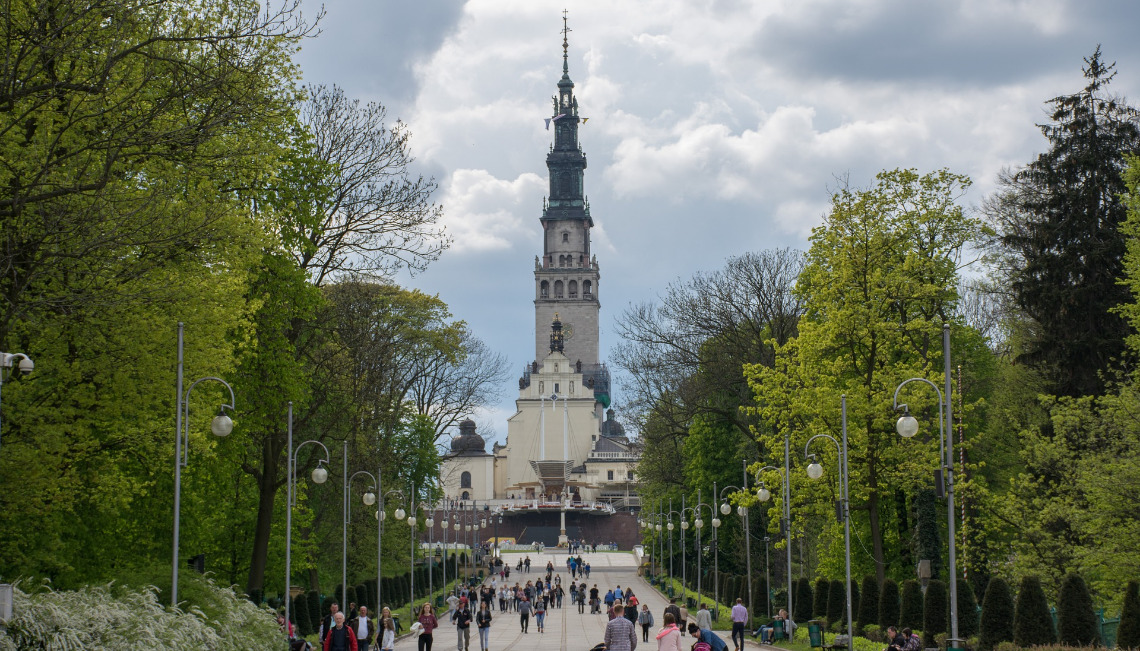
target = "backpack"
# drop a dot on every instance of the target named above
(702, 646)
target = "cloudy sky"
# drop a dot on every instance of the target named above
(716, 126)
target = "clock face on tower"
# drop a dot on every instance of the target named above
(567, 331)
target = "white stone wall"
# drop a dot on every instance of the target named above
(482, 469)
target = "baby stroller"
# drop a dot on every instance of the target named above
(601, 646)
(300, 645)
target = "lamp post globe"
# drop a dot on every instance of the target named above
(685, 525)
(763, 494)
(814, 470)
(411, 520)
(658, 528)
(429, 523)
(222, 425)
(369, 498)
(716, 523)
(907, 426)
(740, 510)
(725, 509)
(699, 523)
(670, 526)
(319, 475)
(400, 513)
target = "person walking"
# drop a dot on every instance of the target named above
(676, 612)
(327, 622)
(595, 608)
(645, 618)
(524, 614)
(704, 617)
(387, 630)
(363, 628)
(428, 623)
(715, 642)
(669, 637)
(739, 616)
(540, 612)
(483, 621)
(620, 633)
(339, 637)
(631, 605)
(462, 620)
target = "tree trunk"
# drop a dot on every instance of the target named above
(267, 492)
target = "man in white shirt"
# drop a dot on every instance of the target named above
(363, 628)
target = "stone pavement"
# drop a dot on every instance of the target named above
(566, 630)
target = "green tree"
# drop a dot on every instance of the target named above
(928, 541)
(935, 607)
(1076, 620)
(910, 614)
(1032, 621)
(880, 280)
(836, 603)
(804, 610)
(1059, 219)
(997, 615)
(889, 614)
(1128, 630)
(821, 592)
(967, 610)
(868, 603)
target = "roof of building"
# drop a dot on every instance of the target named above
(468, 443)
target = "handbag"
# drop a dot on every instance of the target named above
(417, 628)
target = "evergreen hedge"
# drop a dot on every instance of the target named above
(1128, 631)
(868, 603)
(888, 604)
(1076, 620)
(855, 599)
(314, 610)
(997, 615)
(910, 610)
(300, 615)
(819, 600)
(803, 611)
(935, 607)
(836, 603)
(1032, 621)
(967, 610)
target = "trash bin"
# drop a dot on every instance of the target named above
(669, 590)
(396, 623)
(815, 634)
(439, 602)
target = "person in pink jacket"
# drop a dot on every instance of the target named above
(669, 637)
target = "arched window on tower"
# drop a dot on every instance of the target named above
(544, 289)
(587, 289)
(572, 289)
(465, 496)
(565, 236)
(465, 480)
(561, 261)
(558, 289)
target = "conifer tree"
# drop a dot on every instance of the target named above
(314, 610)
(889, 604)
(1032, 621)
(935, 606)
(836, 603)
(854, 602)
(804, 607)
(1076, 620)
(302, 623)
(910, 613)
(868, 603)
(967, 610)
(997, 615)
(1058, 219)
(820, 590)
(1128, 630)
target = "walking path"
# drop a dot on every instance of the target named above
(566, 629)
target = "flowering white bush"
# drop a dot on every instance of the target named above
(109, 618)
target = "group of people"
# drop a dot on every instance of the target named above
(351, 631)
(621, 634)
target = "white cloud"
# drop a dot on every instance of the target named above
(486, 213)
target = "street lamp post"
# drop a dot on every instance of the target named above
(369, 499)
(699, 524)
(815, 471)
(763, 494)
(319, 476)
(220, 426)
(742, 511)
(10, 362)
(907, 427)
(669, 526)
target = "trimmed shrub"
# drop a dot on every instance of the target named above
(854, 603)
(967, 610)
(300, 616)
(935, 607)
(888, 604)
(314, 610)
(803, 602)
(910, 611)
(1128, 631)
(819, 600)
(1076, 620)
(868, 603)
(1032, 621)
(836, 603)
(997, 615)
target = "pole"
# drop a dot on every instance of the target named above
(747, 546)
(379, 535)
(177, 470)
(698, 549)
(949, 462)
(412, 563)
(344, 535)
(684, 557)
(767, 577)
(669, 530)
(847, 517)
(716, 556)
(288, 516)
(788, 517)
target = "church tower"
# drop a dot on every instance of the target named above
(566, 276)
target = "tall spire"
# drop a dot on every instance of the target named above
(565, 45)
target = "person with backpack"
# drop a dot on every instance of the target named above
(672, 609)
(645, 618)
(706, 639)
(669, 637)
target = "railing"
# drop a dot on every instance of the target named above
(612, 455)
(523, 505)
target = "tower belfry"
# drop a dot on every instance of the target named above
(566, 276)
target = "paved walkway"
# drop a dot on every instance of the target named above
(566, 629)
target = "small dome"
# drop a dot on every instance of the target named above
(468, 440)
(612, 428)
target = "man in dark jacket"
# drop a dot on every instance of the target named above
(340, 637)
(672, 608)
(462, 620)
(363, 628)
(327, 622)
